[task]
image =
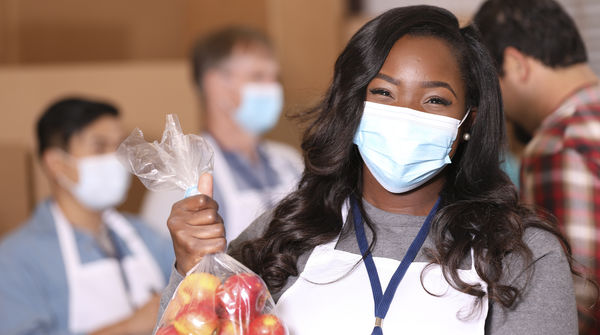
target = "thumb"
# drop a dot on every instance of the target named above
(205, 184)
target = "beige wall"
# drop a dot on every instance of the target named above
(33, 31)
(145, 91)
(16, 192)
(203, 16)
(72, 30)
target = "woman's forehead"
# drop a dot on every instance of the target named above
(423, 58)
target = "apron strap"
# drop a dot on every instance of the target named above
(66, 239)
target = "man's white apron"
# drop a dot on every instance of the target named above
(98, 295)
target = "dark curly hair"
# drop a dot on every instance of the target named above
(480, 207)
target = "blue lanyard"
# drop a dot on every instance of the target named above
(383, 301)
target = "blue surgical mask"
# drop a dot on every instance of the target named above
(404, 148)
(260, 107)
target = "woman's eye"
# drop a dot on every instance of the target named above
(439, 101)
(379, 91)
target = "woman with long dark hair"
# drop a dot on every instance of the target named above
(403, 221)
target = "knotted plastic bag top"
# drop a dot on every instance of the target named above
(176, 162)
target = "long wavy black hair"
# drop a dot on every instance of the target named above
(480, 207)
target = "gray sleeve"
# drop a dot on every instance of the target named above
(547, 304)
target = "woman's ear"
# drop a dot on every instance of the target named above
(465, 129)
(472, 117)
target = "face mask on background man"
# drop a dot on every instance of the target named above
(102, 182)
(260, 107)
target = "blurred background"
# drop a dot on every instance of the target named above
(135, 54)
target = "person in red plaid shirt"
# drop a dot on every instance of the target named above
(550, 92)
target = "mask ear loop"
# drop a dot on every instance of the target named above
(466, 135)
(464, 117)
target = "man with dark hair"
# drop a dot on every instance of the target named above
(79, 266)
(551, 93)
(237, 79)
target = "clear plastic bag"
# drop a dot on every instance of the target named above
(176, 162)
(220, 296)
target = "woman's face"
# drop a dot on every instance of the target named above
(421, 73)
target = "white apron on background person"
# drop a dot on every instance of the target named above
(243, 206)
(333, 296)
(98, 295)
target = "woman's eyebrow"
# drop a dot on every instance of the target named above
(388, 79)
(430, 84)
(424, 84)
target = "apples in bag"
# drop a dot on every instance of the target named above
(220, 296)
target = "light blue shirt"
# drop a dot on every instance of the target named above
(34, 296)
(511, 165)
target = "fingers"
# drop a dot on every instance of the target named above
(182, 217)
(205, 217)
(207, 232)
(190, 251)
(195, 203)
(198, 248)
(203, 232)
(201, 226)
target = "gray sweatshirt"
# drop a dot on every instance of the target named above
(546, 306)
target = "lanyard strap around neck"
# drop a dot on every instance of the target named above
(383, 301)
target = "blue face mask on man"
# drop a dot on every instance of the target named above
(404, 148)
(260, 107)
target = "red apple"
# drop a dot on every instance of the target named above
(196, 319)
(199, 287)
(241, 297)
(168, 330)
(229, 327)
(266, 324)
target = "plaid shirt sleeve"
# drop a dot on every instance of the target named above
(560, 173)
